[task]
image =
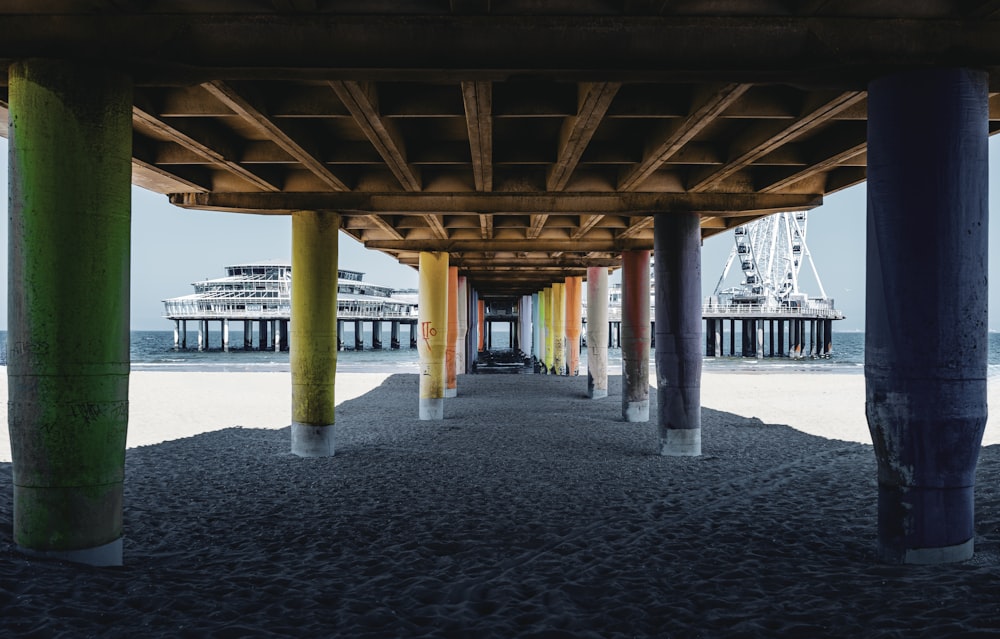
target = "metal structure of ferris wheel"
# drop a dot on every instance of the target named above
(770, 252)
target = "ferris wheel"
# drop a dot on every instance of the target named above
(771, 252)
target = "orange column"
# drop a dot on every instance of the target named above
(451, 388)
(574, 324)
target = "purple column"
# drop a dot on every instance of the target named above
(926, 324)
(677, 246)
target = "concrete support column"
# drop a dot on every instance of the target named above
(535, 332)
(574, 324)
(177, 334)
(394, 335)
(340, 335)
(559, 328)
(359, 335)
(225, 335)
(759, 335)
(433, 318)
(313, 347)
(184, 334)
(677, 246)
(247, 335)
(202, 336)
(474, 329)
(461, 348)
(720, 337)
(597, 332)
(781, 338)
(926, 319)
(68, 307)
(481, 323)
(828, 332)
(635, 336)
(451, 345)
(376, 335)
(550, 344)
(543, 330)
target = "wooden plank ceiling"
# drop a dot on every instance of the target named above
(527, 138)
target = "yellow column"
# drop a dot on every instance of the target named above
(451, 389)
(549, 333)
(463, 325)
(542, 316)
(559, 327)
(313, 354)
(573, 323)
(433, 333)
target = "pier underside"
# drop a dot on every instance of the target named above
(523, 144)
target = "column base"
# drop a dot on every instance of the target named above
(597, 393)
(929, 556)
(922, 525)
(431, 409)
(636, 411)
(451, 392)
(109, 554)
(310, 440)
(681, 443)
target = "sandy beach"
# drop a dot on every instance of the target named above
(530, 511)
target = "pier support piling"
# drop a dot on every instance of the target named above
(559, 328)
(313, 347)
(677, 246)
(461, 347)
(451, 345)
(635, 336)
(574, 324)
(597, 332)
(433, 318)
(68, 307)
(926, 309)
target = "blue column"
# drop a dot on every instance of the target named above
(926, 322)
(677, 247)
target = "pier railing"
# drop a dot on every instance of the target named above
(776, 312)
(240, 309)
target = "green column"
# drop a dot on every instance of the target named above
(313, 355)
(68, 307)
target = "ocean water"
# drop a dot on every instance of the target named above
(154, 350)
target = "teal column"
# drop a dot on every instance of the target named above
(68, 307)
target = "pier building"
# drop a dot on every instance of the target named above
(521, 143)
(260, 294)
(768, 302)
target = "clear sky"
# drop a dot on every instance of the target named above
(173, 247)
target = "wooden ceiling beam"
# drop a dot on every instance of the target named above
(478, 100)
(587, 222)
(207, 142)
(361, 101)
(434, 222)
(679, 132)
(758, 142)
(386, 226)
(254, 113)
(486, 226)
(571, 203)
(536, 225)
(529, 246)
(576, 132)
(642, 224)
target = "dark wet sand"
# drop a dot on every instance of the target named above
(530, 511)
